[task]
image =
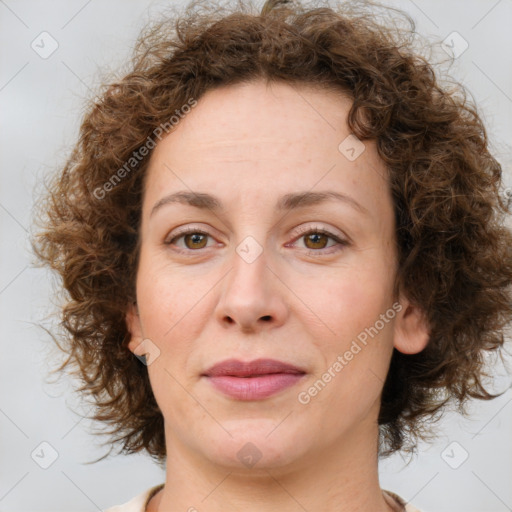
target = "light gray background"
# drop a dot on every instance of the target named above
(41, 107)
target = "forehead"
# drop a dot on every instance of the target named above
(259, 139)
(277, 112)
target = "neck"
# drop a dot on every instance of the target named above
(338, 478)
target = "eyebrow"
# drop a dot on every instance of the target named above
(287, 202)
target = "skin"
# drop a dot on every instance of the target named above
(302, 300)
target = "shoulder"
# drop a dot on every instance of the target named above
(407, 507)
(138, 503)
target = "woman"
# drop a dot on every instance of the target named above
(284, 249)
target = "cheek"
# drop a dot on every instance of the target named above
(170, 312)
(348, 303)
(356, 350)
(166, 297)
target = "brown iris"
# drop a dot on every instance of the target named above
(195, 237)
(315, 236)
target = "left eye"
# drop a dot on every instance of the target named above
(318, 239)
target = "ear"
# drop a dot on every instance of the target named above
(135, 328)
(412, 332)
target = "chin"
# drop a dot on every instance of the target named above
(254, 444)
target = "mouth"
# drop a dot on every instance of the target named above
(255, 380)
(258, 367)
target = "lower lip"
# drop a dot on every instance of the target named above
(254, 388)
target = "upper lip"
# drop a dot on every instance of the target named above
(237, 368)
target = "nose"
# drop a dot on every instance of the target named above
(253, 296)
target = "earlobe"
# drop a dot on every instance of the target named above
(412, 332)
(134, 327)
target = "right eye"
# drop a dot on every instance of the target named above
(194, 239)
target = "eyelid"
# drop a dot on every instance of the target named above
(301, 231)
(185, 230)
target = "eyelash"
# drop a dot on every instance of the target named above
(193, 230)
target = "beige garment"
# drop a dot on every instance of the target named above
(139, 503)
(400, 503)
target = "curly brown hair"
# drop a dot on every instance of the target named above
(455, 251)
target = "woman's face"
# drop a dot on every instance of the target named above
(265, 276)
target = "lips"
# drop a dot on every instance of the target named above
(236, 368)
(255, 380)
